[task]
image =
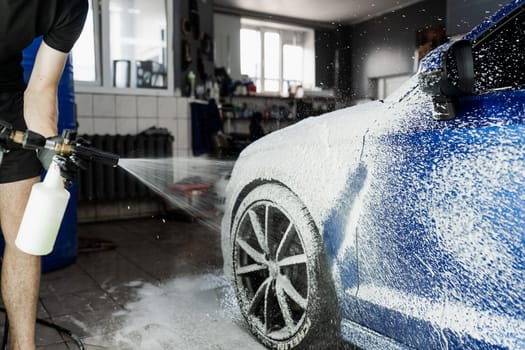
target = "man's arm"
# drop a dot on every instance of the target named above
(40, 97)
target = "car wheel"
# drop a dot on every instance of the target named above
(283, 285)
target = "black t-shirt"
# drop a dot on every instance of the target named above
(21, 21)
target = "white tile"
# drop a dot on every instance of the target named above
(85, 125)
(144, 124)
(170, 124)
(126, 106)
(183, 108)
(183, 137)
(174, 151)
(103, 105)
(126, 126)
(84, 104)
(147, 107)
(167, 107)
(104, 126)
(183, 152)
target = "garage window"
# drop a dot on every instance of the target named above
(85, 55)
(276, 56)
(251, 55)
(123, 47)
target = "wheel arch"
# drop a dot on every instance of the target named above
(248, 188)
(322, 268)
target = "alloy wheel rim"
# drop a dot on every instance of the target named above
(271, 270)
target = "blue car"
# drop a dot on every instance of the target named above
(397, 224)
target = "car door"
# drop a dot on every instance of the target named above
(441, 237)
(486, 279)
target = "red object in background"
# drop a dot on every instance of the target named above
(252, 89)
(190, 190)
(197, 199)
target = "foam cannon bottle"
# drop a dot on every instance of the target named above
(43, 215)
(48, 200)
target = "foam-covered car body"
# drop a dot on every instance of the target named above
(422, 221)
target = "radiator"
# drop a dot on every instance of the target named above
(103, 183)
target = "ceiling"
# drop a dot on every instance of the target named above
(346, 11)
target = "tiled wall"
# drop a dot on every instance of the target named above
(130, 114)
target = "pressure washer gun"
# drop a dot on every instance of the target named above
(67, 147)
(48, 199)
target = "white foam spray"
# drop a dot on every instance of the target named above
(194, 313)
(194, 185)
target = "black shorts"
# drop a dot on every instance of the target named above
(17, 164)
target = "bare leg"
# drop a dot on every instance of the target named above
(20, 271)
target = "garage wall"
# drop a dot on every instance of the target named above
(228, 43)
(344, 64)
(113, 114)
(385, 46)
(324, 58)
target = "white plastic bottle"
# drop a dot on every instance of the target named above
(43, 215)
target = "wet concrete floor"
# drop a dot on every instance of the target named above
(144, 284)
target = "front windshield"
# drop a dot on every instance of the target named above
(404, 90)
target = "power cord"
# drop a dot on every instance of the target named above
(45, 323)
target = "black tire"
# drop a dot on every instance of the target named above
(281, 274)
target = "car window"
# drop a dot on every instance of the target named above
(499, 56)
(403, 91)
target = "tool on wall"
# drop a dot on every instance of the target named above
(185, 26)
(207, 45)
(186, 59)
(195, 19)
(201, 69)
(186, 54)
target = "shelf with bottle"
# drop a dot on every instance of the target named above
(246, 112)
(238, 120)
(277, 112)
(277, 107)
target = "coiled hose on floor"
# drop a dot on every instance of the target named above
(45, 323)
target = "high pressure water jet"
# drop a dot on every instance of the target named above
(193, 185)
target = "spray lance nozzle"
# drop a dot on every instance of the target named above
(66, 146)
(71, 147)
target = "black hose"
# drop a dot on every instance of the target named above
(45, 323)
(6, 332)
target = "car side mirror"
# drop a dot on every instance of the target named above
(449, 76)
